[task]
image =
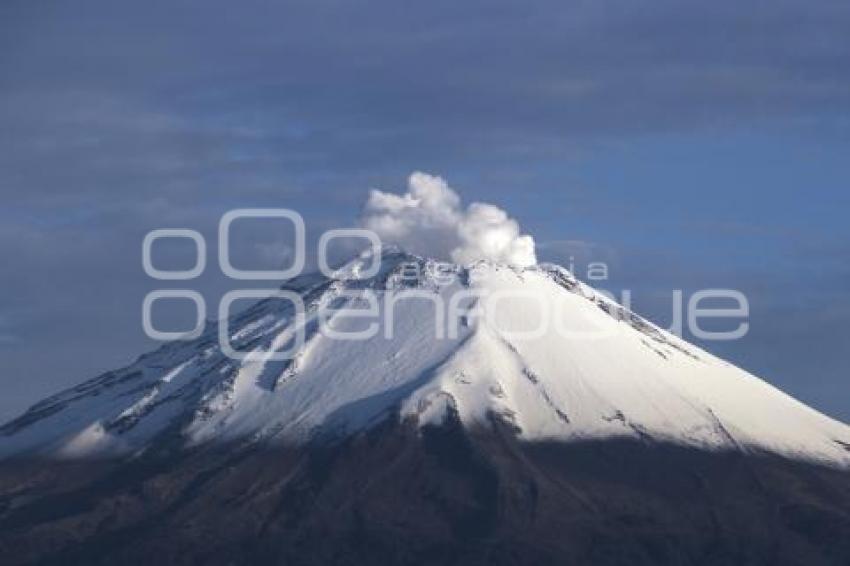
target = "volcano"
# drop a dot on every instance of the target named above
(426, 413)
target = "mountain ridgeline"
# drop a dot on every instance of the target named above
(461, 431)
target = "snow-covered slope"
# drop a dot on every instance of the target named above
(594, 371)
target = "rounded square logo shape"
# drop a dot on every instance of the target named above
(200, 309)
(245, 274)
(200, 247)
(369, 235)
(298, 337)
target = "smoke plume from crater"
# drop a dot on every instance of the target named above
(430, 220)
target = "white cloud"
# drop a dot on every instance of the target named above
(429, 220)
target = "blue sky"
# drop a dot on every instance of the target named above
(688, 145)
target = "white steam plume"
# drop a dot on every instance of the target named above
(429, 220)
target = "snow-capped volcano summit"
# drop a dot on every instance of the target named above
(476, 414)
(424, 341)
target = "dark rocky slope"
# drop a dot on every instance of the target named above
(396, 495)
